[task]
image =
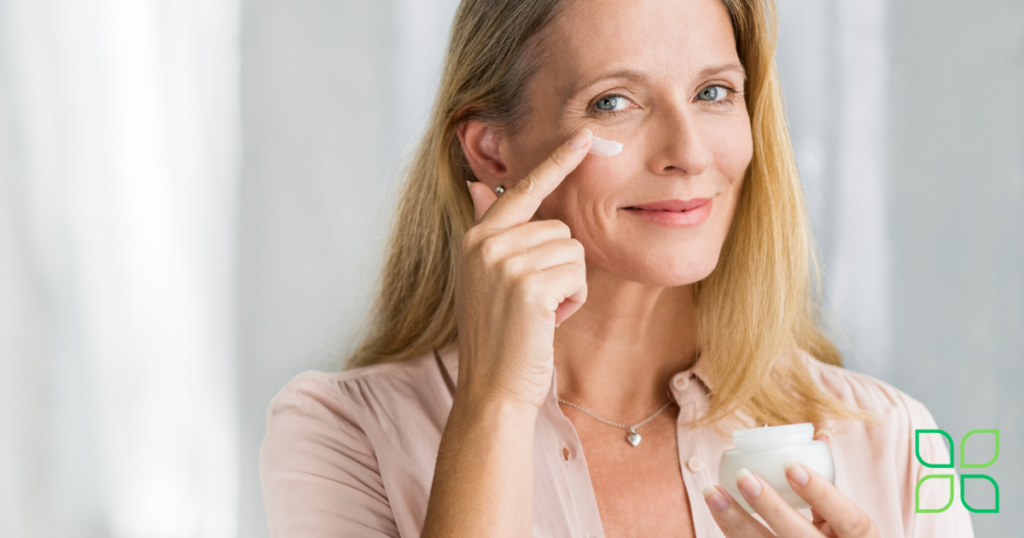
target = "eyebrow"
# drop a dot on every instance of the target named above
(639, 76)
(717, 69)
(627, 74)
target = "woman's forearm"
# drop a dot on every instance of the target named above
(483, 480)
(518, 280)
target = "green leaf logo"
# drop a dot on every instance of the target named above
(950, 477)
(992, 510)
(917, 495)
(963, 450)
(917, 449)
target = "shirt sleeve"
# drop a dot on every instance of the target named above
(955, 521)
(318, 471)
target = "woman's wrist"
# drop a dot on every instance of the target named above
(489, 411)
(489, 390)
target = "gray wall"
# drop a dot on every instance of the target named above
(956, 189)
(314, 97)
(951, 243)
(333, 94)
(907, 121)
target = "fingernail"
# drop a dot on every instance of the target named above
(824, 432)
(797, 473)
(715, 499)
(581, 139)
(468, 183)
(748, 485)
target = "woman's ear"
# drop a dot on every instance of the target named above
(481, 144)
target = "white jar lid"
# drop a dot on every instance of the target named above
(774, 435)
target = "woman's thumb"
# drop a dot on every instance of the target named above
(482, 196)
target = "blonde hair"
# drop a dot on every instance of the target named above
(755, 311)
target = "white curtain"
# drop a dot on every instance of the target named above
(119, 143)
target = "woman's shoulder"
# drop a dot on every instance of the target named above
(337, 385)
(344, 449)
(369, 396)
(867, 393)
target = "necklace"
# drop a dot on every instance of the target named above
(632, 437)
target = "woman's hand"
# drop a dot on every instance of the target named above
(835, 515)
(519, 280)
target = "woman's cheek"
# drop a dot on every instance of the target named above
(605, 174)
(733, 148)
(583, 194)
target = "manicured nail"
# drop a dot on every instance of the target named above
(826, 433)
(468, 183)
(797, 473)
(581, 139)
(715, 499)
(748, 485)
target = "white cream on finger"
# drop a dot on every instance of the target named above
(604, 148)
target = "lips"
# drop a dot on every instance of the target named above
(673, 205)
(673, 213)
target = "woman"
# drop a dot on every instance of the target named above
(563, 342)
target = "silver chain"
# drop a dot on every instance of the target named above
(623, 426)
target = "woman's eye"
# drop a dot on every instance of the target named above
(713, 93)
(612, 103)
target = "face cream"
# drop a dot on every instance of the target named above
(765, 451)
(604, 148)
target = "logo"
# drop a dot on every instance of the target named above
(950, 477)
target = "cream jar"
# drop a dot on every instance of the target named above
(765, 451)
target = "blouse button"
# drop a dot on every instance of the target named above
(680, 381)
(695, 464)
(566, 453)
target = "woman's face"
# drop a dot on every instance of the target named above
(663, 78)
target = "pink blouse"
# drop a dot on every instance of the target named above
(352, 454)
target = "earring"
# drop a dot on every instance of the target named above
(499, 190)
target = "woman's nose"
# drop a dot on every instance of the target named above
(683, 149)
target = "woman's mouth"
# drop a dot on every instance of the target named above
(673, 213)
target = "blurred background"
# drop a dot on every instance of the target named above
(194, 196)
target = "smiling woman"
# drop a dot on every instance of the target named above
(663, 296)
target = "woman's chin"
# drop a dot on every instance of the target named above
(654, 260)
(668, 275)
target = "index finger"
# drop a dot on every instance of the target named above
(518, 204)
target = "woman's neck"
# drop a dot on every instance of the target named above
(617, 354)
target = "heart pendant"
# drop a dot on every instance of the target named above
(633, 438)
